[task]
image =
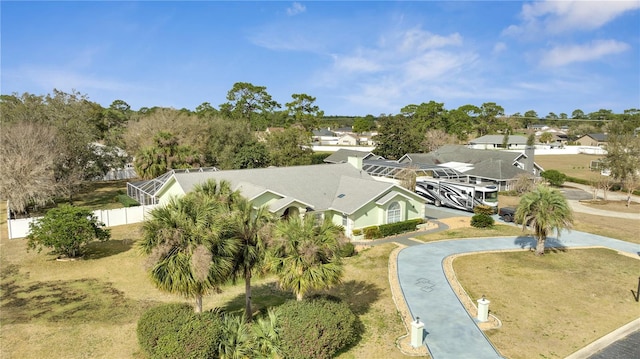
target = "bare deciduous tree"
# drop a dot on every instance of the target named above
(523, 183)
(435, 139)
(407, 177)
(27, 155)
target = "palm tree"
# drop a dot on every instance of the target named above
(266, 335)
(545, 210)
(250, 227)
(187, 253)
(305, 255)
(235, 341)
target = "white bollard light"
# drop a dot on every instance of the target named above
(483, 309)
(417, 330)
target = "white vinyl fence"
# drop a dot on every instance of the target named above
(19, 228)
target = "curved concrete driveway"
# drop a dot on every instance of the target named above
(451, 333)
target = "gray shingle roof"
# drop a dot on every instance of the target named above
(497, 139)
(319, 186)
(600, 137)
(341, 155)
(491, 164)
(459, 153)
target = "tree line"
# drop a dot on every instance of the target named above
(50, 144)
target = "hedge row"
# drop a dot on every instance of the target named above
(385, 230)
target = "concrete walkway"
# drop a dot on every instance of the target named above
(450, 332)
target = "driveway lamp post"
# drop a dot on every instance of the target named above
(483, 309)
(417, 329)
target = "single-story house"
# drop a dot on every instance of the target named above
(500, 167)
(593, 139)
(342, 156)
(324, 136)
(347, 140)
(342, 192)
(495, 142)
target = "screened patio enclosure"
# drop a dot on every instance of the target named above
(145, 191)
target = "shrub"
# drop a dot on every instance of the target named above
(317, 328)
(159, 321)
(578, 180)
(371, 232)
(67, 230)
(482, 220)
(483, 209)
(347, 250)
(399, 227)
(197, 338)
(175, 331)
(555, 178)
(357, 232)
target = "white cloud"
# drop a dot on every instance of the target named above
(499, 47)
(356, 63)
(565, 16)
(416, 39)
(564, 55)
(402, 67)
(295, 9)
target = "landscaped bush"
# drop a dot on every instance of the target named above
(371, 232)
(347, 250)
(578, 180)
(399, 227)
(482, 220)
(555, 177)
(357, 232)
(197, 338)
(317, 327)
(390, 229)
(175, 331)
(483, 209)
(158, 321)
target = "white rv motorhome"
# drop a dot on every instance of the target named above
(457, 194)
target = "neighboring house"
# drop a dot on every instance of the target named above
(125, 171)
(343, 130)
(324, 136)
(342, 156)
(495, 142)
(366, 138)
(347, 140)
(593, 139)
(539, 127)
(342, 193)
(500, 167)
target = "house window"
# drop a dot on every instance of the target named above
(344, 220)
(393, 213)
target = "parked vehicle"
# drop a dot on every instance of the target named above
(507, 213)
(457, 194)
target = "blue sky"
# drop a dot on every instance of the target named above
(356, 58)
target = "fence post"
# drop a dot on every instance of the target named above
(9, 221)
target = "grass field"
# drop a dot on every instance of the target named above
(554, 305)
(571, 165)
(89, 308)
